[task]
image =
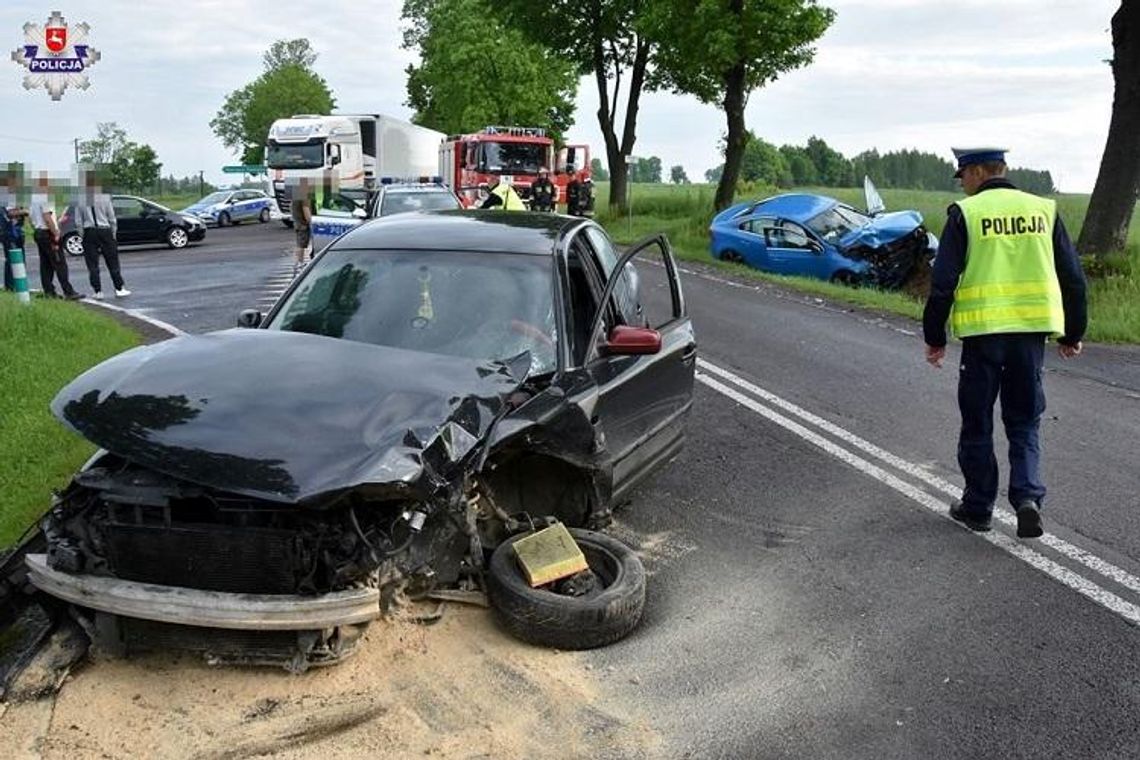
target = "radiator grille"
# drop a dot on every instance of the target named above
(214, 558)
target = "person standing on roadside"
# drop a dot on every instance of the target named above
(301, 211)
(502, 196)
(1007, 277)
(11, 220)
(53, 262)
(543, 194)
(95, 215)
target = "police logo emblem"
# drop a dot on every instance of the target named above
(56, 56)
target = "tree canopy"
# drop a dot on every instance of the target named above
(131, 167)
(287, 86)
(475, 71)
(722, 50)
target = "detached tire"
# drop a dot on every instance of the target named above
(543, 617)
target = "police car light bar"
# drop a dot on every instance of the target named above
(423, 179)
(515, 131)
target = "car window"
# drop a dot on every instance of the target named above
(758, 225)
(401, 202)
(625, 292)
(585, 287)
(836, 222)
(476, 305)
(786, 235)
(127, 208)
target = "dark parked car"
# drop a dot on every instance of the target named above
(139, 221)
(432, 387)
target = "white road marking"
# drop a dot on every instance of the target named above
(1059, 545)
(1078, 583)
(137, 314)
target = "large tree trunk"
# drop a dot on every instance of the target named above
(1105, 229)
(735, 141)
(616, 152)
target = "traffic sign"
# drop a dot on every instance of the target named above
(244, 169)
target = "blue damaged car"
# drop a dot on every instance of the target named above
(808, 235)
(226, 207)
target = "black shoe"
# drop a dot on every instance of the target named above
(1028, 520)
(974, 523)
(73, 296)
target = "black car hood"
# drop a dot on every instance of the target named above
(286, 416)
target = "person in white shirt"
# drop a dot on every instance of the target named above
(53, 262)
(95, 215)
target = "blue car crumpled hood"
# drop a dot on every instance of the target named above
(287, 416)
(883, 230)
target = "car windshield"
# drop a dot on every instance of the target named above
(836, 222)
(476, 305)
(509, 157)
(397, 202)
(213, 198)
(309, 155)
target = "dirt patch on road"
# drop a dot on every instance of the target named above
(459, 689)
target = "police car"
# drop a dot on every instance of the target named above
(227, 207)
(394, 196)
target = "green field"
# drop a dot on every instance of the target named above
(44, 346)
(684, 212)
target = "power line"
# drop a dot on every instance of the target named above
(34, 140)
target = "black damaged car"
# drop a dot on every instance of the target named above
(433, 387)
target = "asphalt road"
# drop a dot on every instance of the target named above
(808, 597)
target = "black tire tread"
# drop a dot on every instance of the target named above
(539, 617)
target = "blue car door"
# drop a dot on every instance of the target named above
(245, 205)
(791, 251)
(753, 247)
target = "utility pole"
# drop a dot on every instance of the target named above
(201, 187)
(77, 151)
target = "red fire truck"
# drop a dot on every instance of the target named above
(515, 153)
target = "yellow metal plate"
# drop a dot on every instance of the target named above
(548, 555)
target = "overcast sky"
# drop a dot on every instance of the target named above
(1026, 74)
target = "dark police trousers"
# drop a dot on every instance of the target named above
(53, 261)
(1007, 365)
(98, 240)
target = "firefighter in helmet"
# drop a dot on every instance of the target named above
(543, 195)
(503, 196)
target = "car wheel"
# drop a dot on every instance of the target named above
(73, 244)
(263, 217)
(843, 277)
(176, 237)
(548, 618)
(223, 219)
(731, 257)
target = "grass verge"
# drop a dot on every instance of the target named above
(684, 212)
(43, 347)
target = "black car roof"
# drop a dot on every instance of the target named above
(467, 230)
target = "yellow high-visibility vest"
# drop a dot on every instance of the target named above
(511, 199)
(1009, 284)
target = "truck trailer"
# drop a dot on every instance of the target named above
(354, 149)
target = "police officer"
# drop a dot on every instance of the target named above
(53, 262)
(1008, 278)
(543, 195)
(11, 220)
(503, 196)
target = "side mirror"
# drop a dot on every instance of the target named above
(632, 341)
(249, 318)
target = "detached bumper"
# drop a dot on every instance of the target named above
(209, 609)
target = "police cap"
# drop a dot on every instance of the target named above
(969, 156)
